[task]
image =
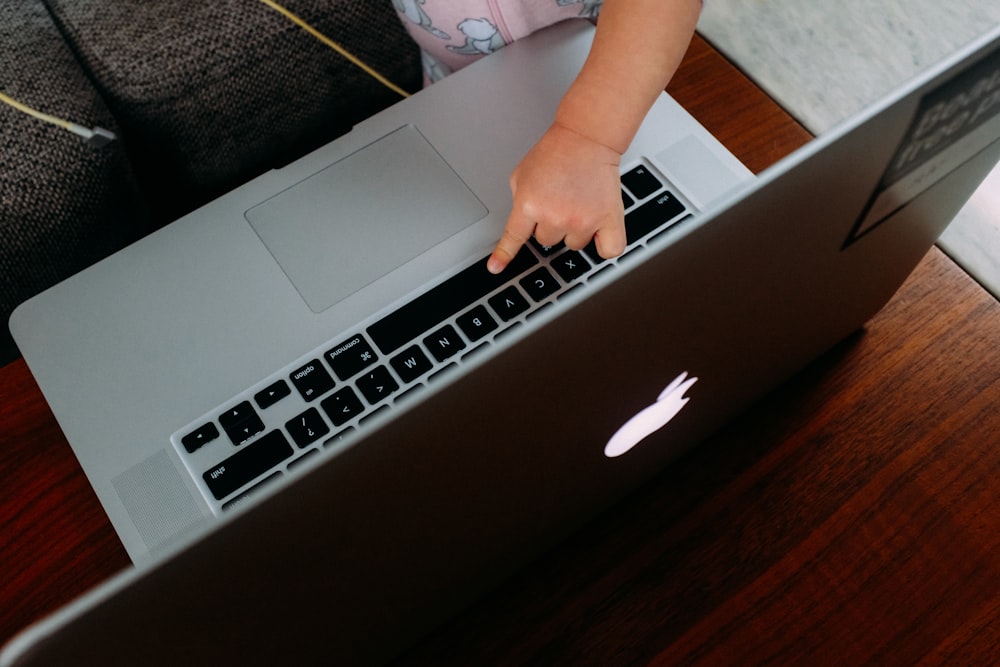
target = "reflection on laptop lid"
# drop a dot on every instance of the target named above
(374, 450)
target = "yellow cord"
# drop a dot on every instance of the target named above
(336, 47)
(99, 135)
(95, 136)
(35, 113)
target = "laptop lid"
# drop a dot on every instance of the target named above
(373, 546)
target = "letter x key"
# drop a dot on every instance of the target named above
(570, 265)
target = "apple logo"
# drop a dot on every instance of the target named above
(670, 401)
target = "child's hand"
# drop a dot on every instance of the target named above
(566, 188)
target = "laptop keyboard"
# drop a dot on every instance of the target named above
(270, 428)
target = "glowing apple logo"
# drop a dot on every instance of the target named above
(670, 401)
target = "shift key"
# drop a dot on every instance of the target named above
(248, 464)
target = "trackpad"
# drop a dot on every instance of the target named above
(364, 216)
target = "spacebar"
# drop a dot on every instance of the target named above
(438, 304)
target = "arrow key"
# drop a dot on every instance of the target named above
(241, 423)
(200, 436)
(271, 394)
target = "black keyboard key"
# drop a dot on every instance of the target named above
(271, 394)
(570, 265)
(441, 372)
(411, 363)
(652, 215)
(248, 464)
(508, 331)
(295, 463)
(241, 423)
(591, 252)
(351, 357)
(377, 384)
(342, 406)
(626, 200)
(237, 414)
(243, 497)
(338, 437)
(596, 275)
(641, 182)
(444, 343)
(312, 380)
(199, 437)
(307, 427)
(477, 323)
(508, 304)
(540, 284)
(631, 254)
(374, 414)
(408, 394)
(476, 350)
(547, 250)
(664, 230)
(639, 223)
(538, 311)
(439, 303)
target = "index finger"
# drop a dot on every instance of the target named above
(518, 230)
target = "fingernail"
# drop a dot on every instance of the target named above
(494, 265)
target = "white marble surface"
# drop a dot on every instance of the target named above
(973, 238)
(823, 61)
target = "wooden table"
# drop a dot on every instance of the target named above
(852, 517)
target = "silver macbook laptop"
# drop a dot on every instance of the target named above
(317, 421)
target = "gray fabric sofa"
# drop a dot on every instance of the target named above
(202, 95)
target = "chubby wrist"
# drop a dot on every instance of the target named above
(609, 154)
(586, 111)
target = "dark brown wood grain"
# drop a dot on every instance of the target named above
(851, 517)
(734, 109)
(55, 539)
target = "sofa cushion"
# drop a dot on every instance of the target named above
(64, 204)
(210, 94)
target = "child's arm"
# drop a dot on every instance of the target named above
(567, 187)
